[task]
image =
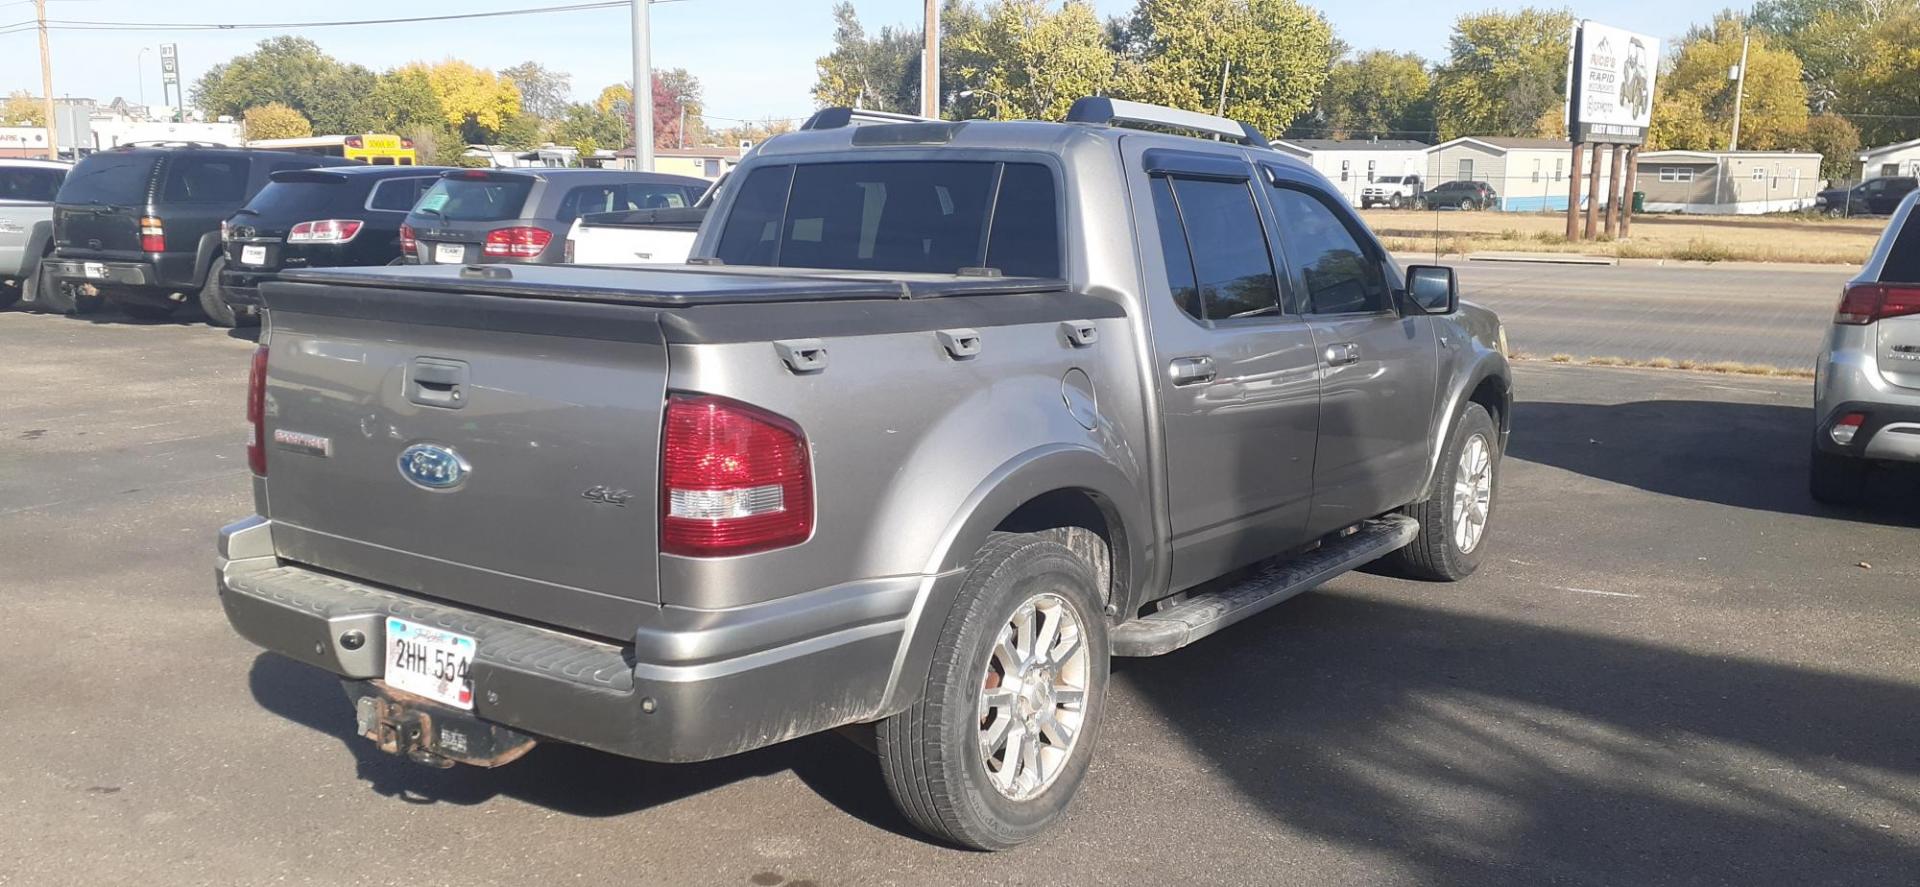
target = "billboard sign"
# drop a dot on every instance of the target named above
(1611, 85)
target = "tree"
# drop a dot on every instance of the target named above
(1505, 73)
(1270, 57)
(21, 109)
(1837, 141)
(1876, 83)
(880, 73)
(1025, 61)
(275, 121)
(668, 87)
(292, 71)
(1694, 109)
(589, 128)
(1827, 35)
(404, 99)
(476, 101)
(1377, 93)
(543, 92)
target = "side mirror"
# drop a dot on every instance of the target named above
(1434, 288)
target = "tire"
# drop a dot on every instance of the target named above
(1441, 552)
(1834, 479)
(1394, 202)
(213, 298)
(932, 754)
(148, 310)
(1835, 212)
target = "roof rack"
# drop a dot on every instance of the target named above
(1103, 110)
(835, 118)
(170, 143)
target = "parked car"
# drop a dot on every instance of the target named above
(27, 188)
(1462, 195)
(1873, 197)
(483, 216)
(634, 237)
(311, 218)
(1395, 192)
(1867, 382)
(920, 440)
(140, 225)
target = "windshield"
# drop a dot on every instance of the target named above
(476, 199)
(913, 216)
(110, 177)
(1390, 180)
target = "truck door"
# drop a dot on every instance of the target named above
(1236, 375)
(1379, 368)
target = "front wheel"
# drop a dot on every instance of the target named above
(1000, 738)
(1458, 510)
(1394, 202)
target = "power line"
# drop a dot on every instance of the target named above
(89, 25)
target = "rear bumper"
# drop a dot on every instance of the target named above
(136, 274)
(671, 696)
(1889, 433)
(1848, 379)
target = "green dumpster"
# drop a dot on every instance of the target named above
(1639, 201)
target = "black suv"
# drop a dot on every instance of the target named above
(140, 225)
(311, 218)
(1462, 195)
(1873, 197)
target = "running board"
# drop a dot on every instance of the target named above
(1204, 614)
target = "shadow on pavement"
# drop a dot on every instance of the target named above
(1480, 751)
(567, 778)
(1738, 454)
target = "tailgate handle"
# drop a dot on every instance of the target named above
(434, 382)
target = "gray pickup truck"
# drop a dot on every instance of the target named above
(27, 188)
(940, 418)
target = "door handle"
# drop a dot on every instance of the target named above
(1190, 371)
(1342, 354)
(434, 382)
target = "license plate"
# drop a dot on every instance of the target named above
(94, 271)
(427, 661)
(449, 253)
(253, 255)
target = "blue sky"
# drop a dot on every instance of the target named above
(755, 57)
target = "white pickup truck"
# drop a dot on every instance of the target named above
(634, 237)
(1397, 192)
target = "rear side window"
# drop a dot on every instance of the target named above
(192, 179)
(1232, 267)
(111, 177)
(29, 183)
(912, 216)
(1903, 258)
(398, 195)
(477, 199)
(1340, 275)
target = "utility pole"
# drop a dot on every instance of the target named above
(46, 81)
(930, 65)
(642, 88)
(1739, 92)
(1226, 68)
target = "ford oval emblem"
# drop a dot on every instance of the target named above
(433, 466)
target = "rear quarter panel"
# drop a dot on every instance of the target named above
(18, 245)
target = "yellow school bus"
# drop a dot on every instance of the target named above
(379, 149)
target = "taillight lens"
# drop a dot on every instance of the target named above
(257, 412)
(1846, 427)
(324, 231)
(566, 251)
(734, 479)
(153, 235)
(1865, 303)
(408, 245)
(519, 242)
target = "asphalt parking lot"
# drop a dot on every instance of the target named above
(1673, 669)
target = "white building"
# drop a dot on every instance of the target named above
(1351, 163)
(1529, 174)
(1901, 159)
(1728, 182)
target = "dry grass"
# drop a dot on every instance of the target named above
(1784, 238)
(1725, 367)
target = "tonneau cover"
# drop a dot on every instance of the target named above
(669, 286)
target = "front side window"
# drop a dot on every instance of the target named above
(909, 216)
(1341, 276)
(1232, 268)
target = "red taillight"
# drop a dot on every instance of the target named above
(153, 236)
(733, 479)
(324, 231)
(257, 412)
(522, 242)
(1846, 427)
(1867, 302)
(473, 174)
(408, 245)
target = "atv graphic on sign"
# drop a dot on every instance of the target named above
(1634, 91)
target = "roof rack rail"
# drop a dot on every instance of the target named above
(835, 118)
(170, 143)
(1100, 109)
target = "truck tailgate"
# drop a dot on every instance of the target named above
(494, 452)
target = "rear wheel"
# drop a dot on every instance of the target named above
(1458, 511)
(10, 293)
(214, 304)
(1835, 479)
(1001, 737)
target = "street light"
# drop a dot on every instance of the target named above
(140, 71)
